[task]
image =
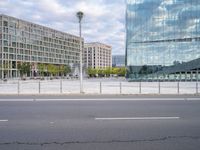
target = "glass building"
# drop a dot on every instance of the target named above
(163, 40)
(118, 60)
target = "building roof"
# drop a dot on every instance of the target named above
(39, 25)
(98, 43)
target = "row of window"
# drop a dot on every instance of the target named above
(36, 58)
(58, 49)
(41, 50)
(33, 28)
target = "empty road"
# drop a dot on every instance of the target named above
(99, 125)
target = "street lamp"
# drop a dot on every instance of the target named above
(80, 17)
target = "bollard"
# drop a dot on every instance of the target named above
(100, 88)
(61, 86)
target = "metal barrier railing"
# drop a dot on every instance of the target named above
(98, 87)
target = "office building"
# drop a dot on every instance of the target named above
(118, 60)
(163, 40)
(97, 55)
(22, 41)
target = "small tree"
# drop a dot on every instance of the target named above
(5, 67)
(52, 69)
(119, 71)
(108, 71)
(92, 72)
(64, 69)
(122, 71)
(115, 71)
(41, 68)
(101, 73)
(24, 69)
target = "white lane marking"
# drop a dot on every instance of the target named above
(3, 120)
(140, 118)
(121, 99)
(112, 99)
(108, 99)
(193, 99)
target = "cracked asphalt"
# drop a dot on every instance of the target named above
(63, 125)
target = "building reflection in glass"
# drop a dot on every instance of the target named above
(163, 40)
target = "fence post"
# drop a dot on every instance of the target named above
(197, 88)
(61, 86)
(120, 87)
(159, 87)
(18, 88)
(140, 87)
(178, 87)
(100, 87)
(39, 87)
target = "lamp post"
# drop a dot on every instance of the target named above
(80, 17)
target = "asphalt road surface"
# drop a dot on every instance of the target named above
(100, 125)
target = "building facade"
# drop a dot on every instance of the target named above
(97, 55)
(163, 40)
(22, 41)
(118, 60)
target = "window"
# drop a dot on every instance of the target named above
(5, 23)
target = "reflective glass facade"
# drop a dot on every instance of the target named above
(163, 39)
(118, 61)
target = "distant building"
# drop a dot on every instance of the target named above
(118, 60)
(97, 55)
(22, 41)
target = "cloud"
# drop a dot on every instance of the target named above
(163, 19)
(103, 21)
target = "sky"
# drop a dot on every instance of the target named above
(104, 20)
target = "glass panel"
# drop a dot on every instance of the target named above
(163, 37)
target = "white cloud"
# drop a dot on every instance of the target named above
(103, 20)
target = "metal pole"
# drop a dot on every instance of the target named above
(158, 87)
(61, 86)
(18, 88)
(80, 16)
(39, 87)
(81, 65)
(100, 87)
(120, 87)
(140, 87)
(178, 87)
(197, 88)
